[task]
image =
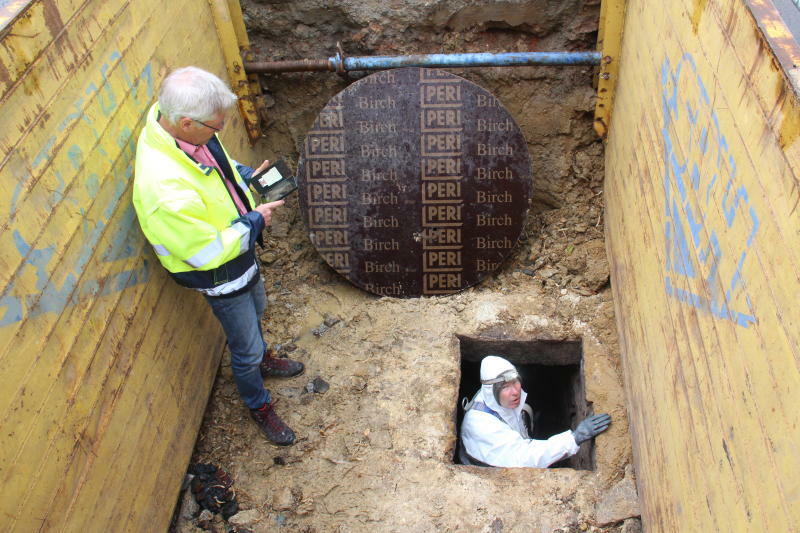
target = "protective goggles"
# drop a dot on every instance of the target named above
(505, 377)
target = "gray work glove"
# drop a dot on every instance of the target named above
(590, 427)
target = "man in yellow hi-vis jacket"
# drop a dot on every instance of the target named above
(195, 209)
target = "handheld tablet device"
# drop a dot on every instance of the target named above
(275, 182)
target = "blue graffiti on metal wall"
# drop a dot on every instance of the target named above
(703, 200)
(124, 237)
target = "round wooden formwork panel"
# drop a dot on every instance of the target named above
(414, 182)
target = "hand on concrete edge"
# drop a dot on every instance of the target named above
(591, 427)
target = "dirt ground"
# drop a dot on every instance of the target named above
(375, 451)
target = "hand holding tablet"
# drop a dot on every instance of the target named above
(274, 182)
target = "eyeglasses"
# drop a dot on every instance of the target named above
(209, 126)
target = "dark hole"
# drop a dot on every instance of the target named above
(552, 375)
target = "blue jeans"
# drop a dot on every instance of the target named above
(240, 317)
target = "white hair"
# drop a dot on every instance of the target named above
(193, 93)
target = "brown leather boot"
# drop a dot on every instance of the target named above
(272, 425)
(279, 366)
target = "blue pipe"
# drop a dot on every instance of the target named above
(341, 63)
(506, 59)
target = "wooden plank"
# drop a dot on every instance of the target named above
(162, 421)
(710, 388)
(762, 377)
(69, 459)
(113, 448)
(172, 437)
(81, 292)
(56, 147)
(39, 367)
(27, 32)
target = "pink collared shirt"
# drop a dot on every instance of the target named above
(202, 155)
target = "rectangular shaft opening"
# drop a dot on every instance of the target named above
(551, 373)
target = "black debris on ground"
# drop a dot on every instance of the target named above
(213, 489)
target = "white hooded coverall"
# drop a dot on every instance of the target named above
(506, 443)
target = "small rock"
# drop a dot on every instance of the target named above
(320, 330)
(205, 519)
(619, 503)
(218, 524)
(278, 460)
(189, 506)
(319, 385)
(268, 257)
(288, 348)
(245, 518)
(331, 320)
(632, 525)
(547, 272)
(290, 392)
(528, 272)
(358, 383)
(539, 262)
(187, 527)
(283, 500)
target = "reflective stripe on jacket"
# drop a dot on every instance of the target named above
(188, 216)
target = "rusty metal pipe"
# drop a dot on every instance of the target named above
(299, 65)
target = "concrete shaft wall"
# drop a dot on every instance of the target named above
(702, 225)
(105, 363)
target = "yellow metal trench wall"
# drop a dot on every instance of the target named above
(105, 363)
(702, 167)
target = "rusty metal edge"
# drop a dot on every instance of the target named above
(780, 41)
(609, 43)
(225, 22)
(11, 12)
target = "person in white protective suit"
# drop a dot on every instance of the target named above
(494, 431)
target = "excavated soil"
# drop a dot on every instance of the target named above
(375, 451)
